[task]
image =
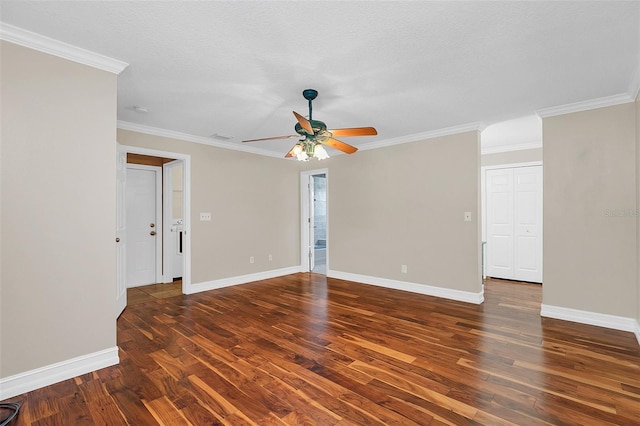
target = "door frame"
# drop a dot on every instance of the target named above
(483, 200)
(186, 206)
(305, 216)
(158, 214)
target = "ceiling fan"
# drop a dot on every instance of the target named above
(314, 133)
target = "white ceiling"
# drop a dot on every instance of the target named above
(408, 68)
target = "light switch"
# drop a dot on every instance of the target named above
(467, 216)
(205, 216)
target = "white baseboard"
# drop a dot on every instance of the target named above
(54, 373)
(445, 293)
(591, 318)
(241, 279)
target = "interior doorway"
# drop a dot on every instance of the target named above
(319, 229)
(314, 226)
(170, 226)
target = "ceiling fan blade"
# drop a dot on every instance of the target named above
(290, 153)
(304, 123)
(273, 138)
(339, 145)
(354, 131)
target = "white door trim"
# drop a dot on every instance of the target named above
(186, 208)
(305, 215)
(312, 221)
(159, 234)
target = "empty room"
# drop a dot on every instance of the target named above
(322, 213)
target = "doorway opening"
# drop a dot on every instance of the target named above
(511, 188)
(314, 226)
(153, 239)
(319, 208)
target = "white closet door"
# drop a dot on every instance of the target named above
(528, 223)
(499, 193)
(514, 223)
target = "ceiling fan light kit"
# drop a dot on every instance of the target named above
(314, 135)
(304, 150)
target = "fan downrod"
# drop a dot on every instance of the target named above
(310, 94)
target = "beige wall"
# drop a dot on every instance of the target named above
(58, 210)
(405, 204)
(512, 157)
(254, 205)
(589, 205)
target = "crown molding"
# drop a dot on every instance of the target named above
(509, 148)
(140, 128)
(478, 126)
(48, 45)
(606, 101)
(156, 131)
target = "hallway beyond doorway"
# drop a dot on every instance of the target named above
(146, 293)
(320, 266)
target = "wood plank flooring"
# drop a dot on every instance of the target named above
(307, 350)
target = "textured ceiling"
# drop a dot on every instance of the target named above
(238, 68)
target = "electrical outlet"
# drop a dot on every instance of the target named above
(205, 216)
(270, 258)
(252, 259)
(467, 216)
(403, 269)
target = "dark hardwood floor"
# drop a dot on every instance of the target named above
(307, 350)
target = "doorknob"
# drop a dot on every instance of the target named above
(152, 225)
(152, 233)
(117, 240)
